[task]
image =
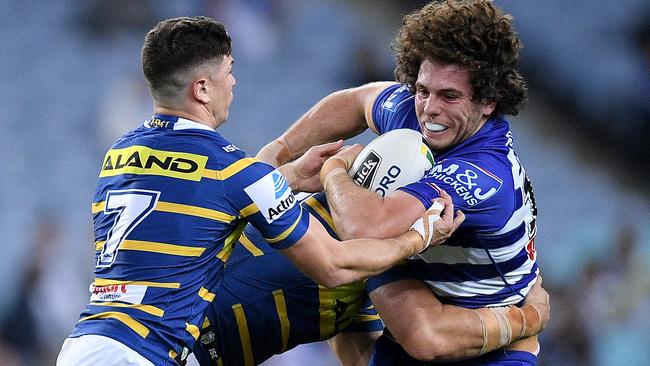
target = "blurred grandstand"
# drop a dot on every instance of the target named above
(72, 84)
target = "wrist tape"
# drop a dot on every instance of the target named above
(503, 325)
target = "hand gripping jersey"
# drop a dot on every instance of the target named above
(266, 306)
(490, 259)
(172, 198)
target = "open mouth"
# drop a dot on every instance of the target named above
(434, 127)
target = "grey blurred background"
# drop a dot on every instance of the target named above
(71, 84)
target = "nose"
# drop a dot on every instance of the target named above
(432, 105)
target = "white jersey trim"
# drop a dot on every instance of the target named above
(185, 124)
(445, 254)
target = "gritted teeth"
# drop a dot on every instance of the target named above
(435, 127)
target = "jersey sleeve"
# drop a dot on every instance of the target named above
(397, 273)
(393, 109)
(262, 196)
(474, 187)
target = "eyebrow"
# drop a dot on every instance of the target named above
(446, 90)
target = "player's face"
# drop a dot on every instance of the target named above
(443, 104)
(221, 96)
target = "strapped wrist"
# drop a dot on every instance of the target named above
(331, 167)
(497, 330)
(284, 154)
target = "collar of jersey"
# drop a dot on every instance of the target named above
(180, 123)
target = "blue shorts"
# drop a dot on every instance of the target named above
(388, 353)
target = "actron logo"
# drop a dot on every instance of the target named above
(280, 184)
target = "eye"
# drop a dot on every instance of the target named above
(422, 93)
(451, 96)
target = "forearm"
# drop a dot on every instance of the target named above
(431, 331)
(355, 210)
(362, 258)
(332, 263)
(337, 116)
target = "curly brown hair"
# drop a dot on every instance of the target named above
(472, 33)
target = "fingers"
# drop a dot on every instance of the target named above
(330, 148)
(349, 153)
(460, 217)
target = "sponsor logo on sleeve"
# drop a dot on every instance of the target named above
(272, 195)
(467, 181)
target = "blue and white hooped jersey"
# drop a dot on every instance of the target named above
(490, 259)
(172, 199)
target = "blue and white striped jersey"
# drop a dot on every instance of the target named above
(490, 259)
(172, 199)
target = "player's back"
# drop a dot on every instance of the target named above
(266, 306)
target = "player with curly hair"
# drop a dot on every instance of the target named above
(457, 79)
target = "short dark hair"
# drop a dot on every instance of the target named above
(175, 46)
(472, 33)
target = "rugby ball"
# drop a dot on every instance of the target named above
(392, 160)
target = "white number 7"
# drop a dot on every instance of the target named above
(131, 206)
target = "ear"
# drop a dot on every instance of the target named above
(200, 89)
(488, 107)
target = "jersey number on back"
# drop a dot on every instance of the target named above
(131, 207)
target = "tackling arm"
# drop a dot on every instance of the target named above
(340, 115)
(333, 263)
(431, 331)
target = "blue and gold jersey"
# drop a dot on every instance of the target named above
(173, 197)
(266, 306)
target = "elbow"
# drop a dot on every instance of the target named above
(431, 347)
(330, 274)
(331, 278)
(349, 229)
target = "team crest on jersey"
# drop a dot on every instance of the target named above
(272, 195)
(468, 181)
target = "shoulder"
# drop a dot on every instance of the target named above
(394, 108)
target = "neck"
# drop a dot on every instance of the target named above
(198, 115)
